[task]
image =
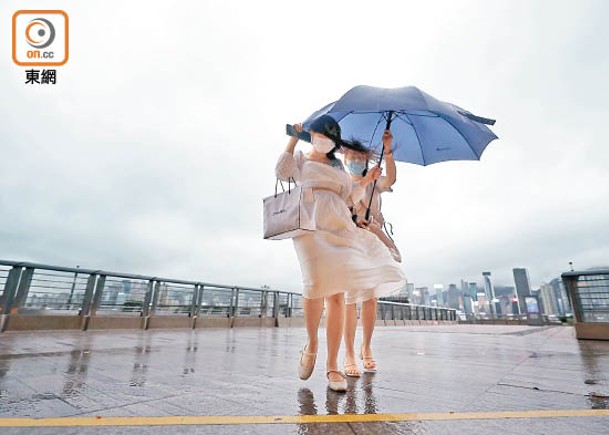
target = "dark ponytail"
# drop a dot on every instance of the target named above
(331, 155)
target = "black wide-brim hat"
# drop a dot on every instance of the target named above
(327, 126)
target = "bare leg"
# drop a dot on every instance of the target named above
(349, 339)
(368, 317)
(335, 305)
(312, 309)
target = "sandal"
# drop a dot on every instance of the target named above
(305, 372)
(352, 372)
(339, 386)
(369, 362)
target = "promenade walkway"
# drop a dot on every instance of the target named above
(432, 379)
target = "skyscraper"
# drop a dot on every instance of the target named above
(490, 292)
(549, 300)
(424, 292)
(453, 296)
(523, 286)
(410, 292)
(562, 300)
(438, 288)
(473, 291)
(505, 295)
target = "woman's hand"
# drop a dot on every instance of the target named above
(387, 141)
(372, 174)
(363, 223)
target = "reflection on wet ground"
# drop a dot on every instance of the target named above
(462, 368)
(359, 399)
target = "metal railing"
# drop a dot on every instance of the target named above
(400, 311)
(39, 289)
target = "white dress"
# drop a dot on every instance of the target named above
(338, 256)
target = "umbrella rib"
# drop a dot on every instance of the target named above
(419, 142)
(403, 117)
(375, 128)
(461, 134)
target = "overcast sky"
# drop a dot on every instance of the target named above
(153, 152)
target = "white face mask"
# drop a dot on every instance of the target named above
(322, 144)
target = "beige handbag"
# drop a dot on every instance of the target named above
(288, 214)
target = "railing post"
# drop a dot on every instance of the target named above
(88, 297)
(200, 299)
(94, 303)
(148, 299)
(148, 303)
(236, 305)
(22, 290)
(97, 296)
(71, 297)
(6, 300)
(264, 300)
(192, 313)
(155, 298)
(275, 305)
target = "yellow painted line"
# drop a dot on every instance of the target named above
(294, 419)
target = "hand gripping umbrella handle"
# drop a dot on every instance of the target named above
(303, 135)
(387, 126)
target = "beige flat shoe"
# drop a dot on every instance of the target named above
(352, 370)
(339, 386)
(305, 372)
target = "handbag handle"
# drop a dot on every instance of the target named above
(290, 181)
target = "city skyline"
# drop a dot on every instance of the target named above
(497, 299)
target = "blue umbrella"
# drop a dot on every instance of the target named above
(425, 130)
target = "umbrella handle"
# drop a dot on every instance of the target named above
(303, 135)
(387, 127)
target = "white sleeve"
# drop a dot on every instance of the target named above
(286, 167)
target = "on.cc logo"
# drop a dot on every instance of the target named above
(40, 33)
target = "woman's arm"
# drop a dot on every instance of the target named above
(388, 180)
(359, 187)
(287, 166)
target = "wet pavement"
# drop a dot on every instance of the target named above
(452, 370)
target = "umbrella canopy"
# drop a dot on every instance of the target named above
(425, 130)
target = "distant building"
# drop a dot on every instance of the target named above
(562, 300)
(550, 305)
(468, 304)
(505, 295)
(424, 292)
(453, 297)
(489, 292)
(483, 303)
(438, 290)
(410, 291)
(473, 291)
(523, 286)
